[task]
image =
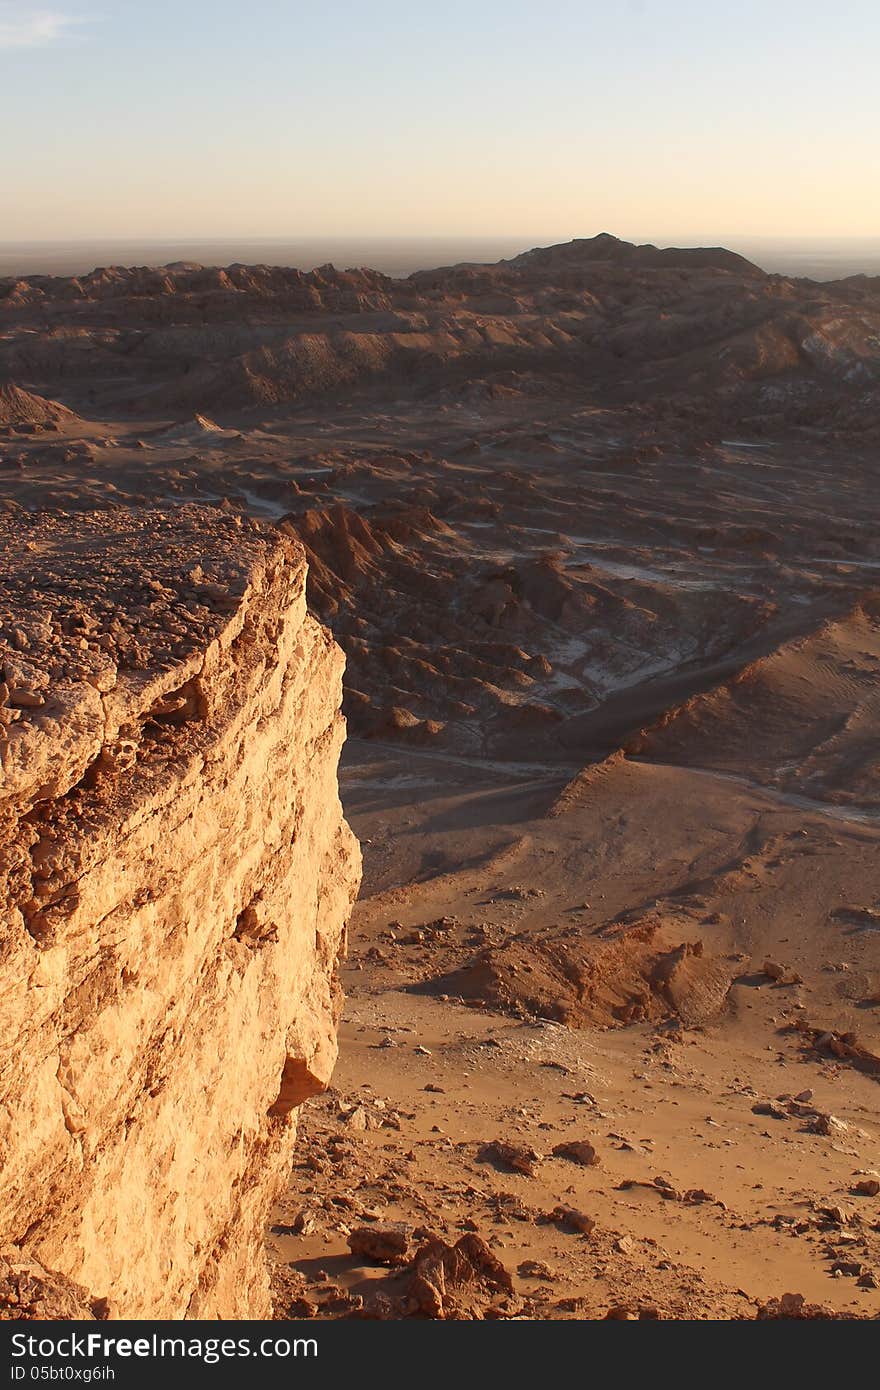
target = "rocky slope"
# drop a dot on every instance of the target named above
(175, 876)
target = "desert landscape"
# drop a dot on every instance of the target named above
(597, 529)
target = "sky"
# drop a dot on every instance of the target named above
(554, 118)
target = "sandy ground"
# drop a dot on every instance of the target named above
(669, 1104)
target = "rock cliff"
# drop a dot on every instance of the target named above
(175, 878)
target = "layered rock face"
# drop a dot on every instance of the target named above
(175, 878)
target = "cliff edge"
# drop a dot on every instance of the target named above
(175, 878)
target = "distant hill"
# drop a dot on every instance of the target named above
(605, 247)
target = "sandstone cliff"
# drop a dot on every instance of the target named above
(175, 877)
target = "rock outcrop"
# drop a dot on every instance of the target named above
(175, 878)
(24, 409)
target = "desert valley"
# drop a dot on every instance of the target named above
(597, 529)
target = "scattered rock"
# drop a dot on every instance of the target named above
(836, 1215)
(791, 1305)
(828, 1124)
(578, 1151)
(695, 1195)
(516, 1158)
(387, 1243)
(867, 1187)
(535, 1269)
(455, 1280)
(571, 1219)
(773, 970)
(771, 1108)
(30, 1292)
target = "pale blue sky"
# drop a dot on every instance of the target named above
(274, 117)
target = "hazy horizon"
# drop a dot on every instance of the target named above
(131, 120)
(814, 258)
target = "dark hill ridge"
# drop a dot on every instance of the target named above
(327, 287)
(323, 288)
(605, 247)
(600, 253)
(699, 336)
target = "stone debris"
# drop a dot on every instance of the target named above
(516, 1158)
(30, 1292)
(867, 1187)
(571, 1219)
(578, 1151)
(456, 1280)
(385, 1243)
(828, 1124)
(791, 1305)
(691, 1196)
(845, 1046)
(774, 971)
(771, 1108)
